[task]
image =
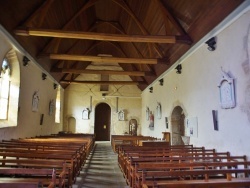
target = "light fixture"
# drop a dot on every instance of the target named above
(178, 69)
(44, 76)
(151, 89)
(25, 61)
(161, 82)
(211, 44)
(55, 86)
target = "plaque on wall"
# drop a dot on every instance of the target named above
(85, 114)
(226, 86)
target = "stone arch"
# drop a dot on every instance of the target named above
(177, 125)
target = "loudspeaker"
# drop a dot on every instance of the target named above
(215, 119)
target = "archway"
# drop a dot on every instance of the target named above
(102, 122)
(178, 128)
(71, 124)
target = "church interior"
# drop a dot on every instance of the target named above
(159, 88)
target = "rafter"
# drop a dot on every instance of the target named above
(104, 72)
(71, 57)
(101, 36)
(101, 82)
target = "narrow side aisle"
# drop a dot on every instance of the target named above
(101, 169)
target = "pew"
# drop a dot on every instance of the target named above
(28, 177)
(120, 140)
(161, 173)
(48, 152)
(131, 158)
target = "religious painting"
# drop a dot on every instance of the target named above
(191, 127)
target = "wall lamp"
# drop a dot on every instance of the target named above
(211, 44)
(55, 86)
(44, 76)
(178, 69)
(25, 61)
(151, 89)
(161, 82)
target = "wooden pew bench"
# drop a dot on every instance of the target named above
(132, 167)
(44, 177)
(161, 155)
(59, 165)
(150, 173)
(31, 156)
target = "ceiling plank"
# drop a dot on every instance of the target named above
(104, 72)
(101, 36)
(72, 57)
(39, 14)
(100, 82)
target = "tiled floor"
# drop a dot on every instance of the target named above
(101, 169)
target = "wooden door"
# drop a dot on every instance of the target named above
(102, 122)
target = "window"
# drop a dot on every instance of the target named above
(58, 106)
(4, 89)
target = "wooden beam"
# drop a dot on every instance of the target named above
(104, 72)
(71, 57)
(98, 36)
(101, 82)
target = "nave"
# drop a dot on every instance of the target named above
(101, 169)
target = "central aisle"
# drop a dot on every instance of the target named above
(101, 169)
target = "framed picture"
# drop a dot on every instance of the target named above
(85, 114)
(166, 122)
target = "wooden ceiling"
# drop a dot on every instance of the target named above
(143, 38)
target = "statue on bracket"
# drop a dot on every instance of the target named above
(121, 115)
(35, 101)
(147, 113)
(226, 86)
(85, 113)
(158, 110)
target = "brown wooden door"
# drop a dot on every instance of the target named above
(102, 122)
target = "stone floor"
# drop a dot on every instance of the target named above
(101, 169)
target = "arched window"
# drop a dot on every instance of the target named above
(4, 89)
(9, 89)
(58, 105)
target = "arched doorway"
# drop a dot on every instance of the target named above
(102, 122)
(72, 124)
(178, 128)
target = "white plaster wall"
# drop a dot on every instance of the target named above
(30, 81)
(77, 98)
(196, 91)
